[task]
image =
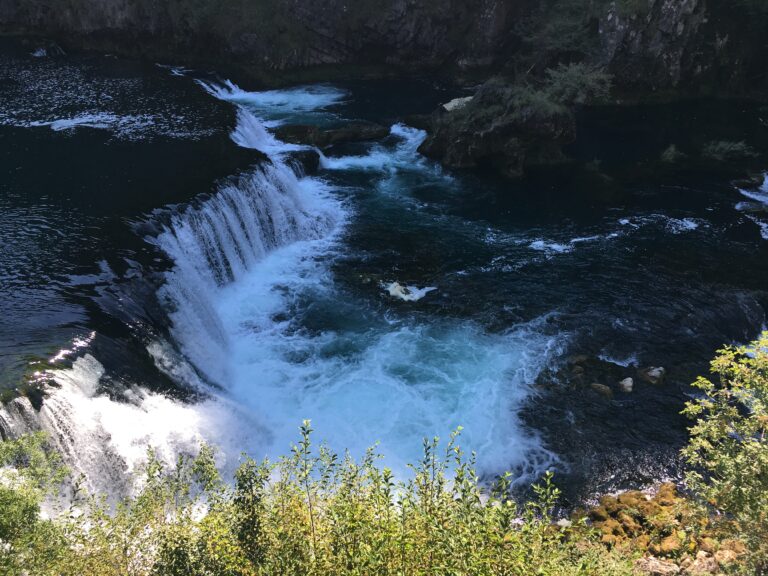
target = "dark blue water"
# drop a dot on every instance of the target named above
(98, 157)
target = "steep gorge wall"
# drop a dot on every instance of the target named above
(714, 47)
(278, 34)
(655, 45)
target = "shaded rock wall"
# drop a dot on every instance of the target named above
(695, 46)
(278, 34)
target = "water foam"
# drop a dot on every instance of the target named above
(277, 104)
(362, 381)
(404, 156)
(254, 309)
(759, 196)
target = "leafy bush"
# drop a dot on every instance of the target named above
(29, 471)
(723, 151)
(316, 513)
(577, 84)
(562, 87)
(728, 449)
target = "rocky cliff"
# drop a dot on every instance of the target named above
(652, 49)
(692, 47)
(278, 35)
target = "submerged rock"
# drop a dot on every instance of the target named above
(307, 161)
(602, 389)
(316, 136)
(407, 293)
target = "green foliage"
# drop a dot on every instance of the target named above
(632, 7)
(315, 513)
(672, 155)
(724, 151)
(577, 84)
(562, 87)
(561, 28)
(728, 450)
(29, 471)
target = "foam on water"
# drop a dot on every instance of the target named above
(277, 104)
(378, 381)
(69, 97)
(759, 204)
(550, 247)
(107, 441)
(681, 225)
(252, 269)
(380, 158)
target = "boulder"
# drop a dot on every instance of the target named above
(668, 545)
(627, 385)
(703, 564)
(602, 389)
(653, 375)
(656, 567)
(307, 161)
(322, 138)
(457, 103)
(496, 129)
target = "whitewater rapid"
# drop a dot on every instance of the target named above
(260, 328)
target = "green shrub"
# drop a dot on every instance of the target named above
(315, 513)
(728, 449)
(577, 84)
(29, 471)
(724, 151)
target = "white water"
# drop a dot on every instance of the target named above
(405, 156)
(251, 277)
(760, 200)
(277, 105)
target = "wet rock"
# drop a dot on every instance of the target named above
(703, 564)
(627, 385)
(495, 129)
(457, 103)
(730, 552)
(656, 567)
(667, 494)
(322, 138)
(599, 514)
(707, 544)
(602, 389)
(307, 161)
(670, 545)
(653, 375)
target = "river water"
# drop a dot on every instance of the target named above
(169, 276)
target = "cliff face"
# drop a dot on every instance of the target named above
(278, 34)
(693, 46)
(653, 45)
(651, 48)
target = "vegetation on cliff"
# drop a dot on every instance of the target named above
(314, 512)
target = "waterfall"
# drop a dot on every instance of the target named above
(258, 325)
(220, 240)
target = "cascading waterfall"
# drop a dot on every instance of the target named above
(220, 241)
(250, 276)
